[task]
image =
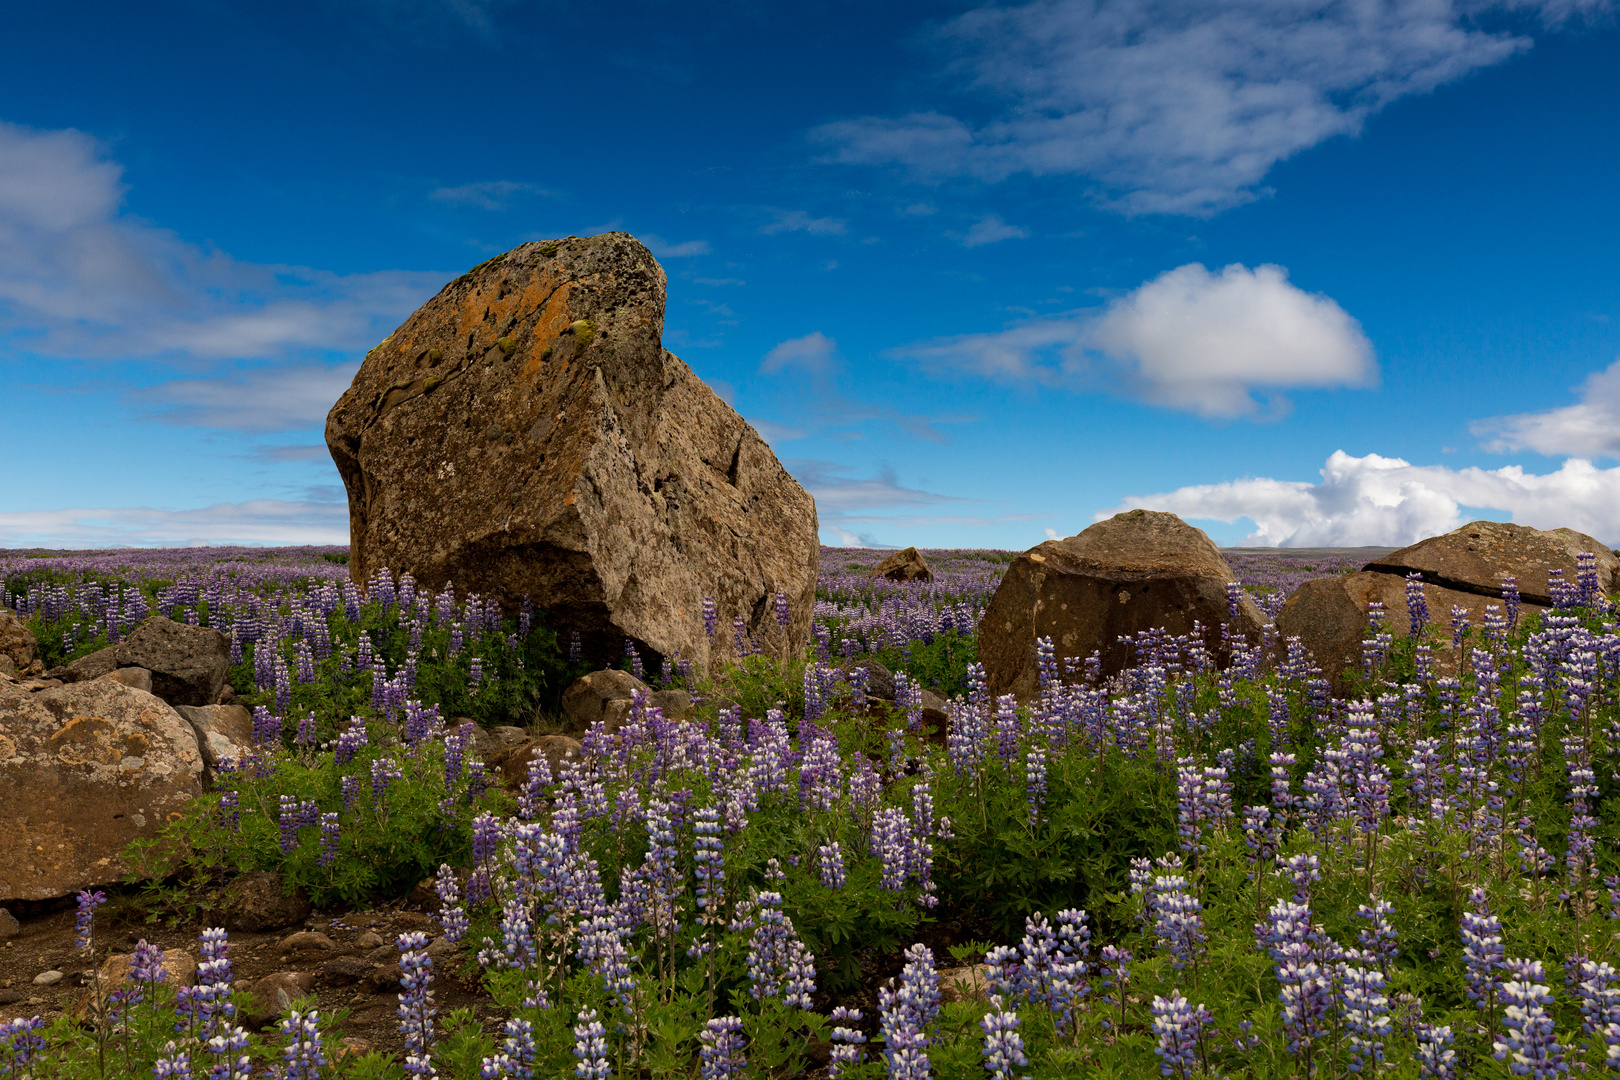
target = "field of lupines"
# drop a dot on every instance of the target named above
(1205, 867)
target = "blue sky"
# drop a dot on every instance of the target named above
(1304, 273)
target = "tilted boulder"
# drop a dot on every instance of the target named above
(1476, 557)
(525, 434)
(907, 565)
(1463, 568)
(84, 770)
(1329, 616)
(1136, 571)
(601, 695)
(189, 664)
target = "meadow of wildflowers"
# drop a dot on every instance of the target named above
(1206, 866)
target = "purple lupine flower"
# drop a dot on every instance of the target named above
(782, 612)
(350, 741)
(846, 1041)
(1178, 920)
(602, 948)
(1435, 1056)
(1007, 727)
(722, 1044)
(304, 1056)
(1307, 987)
(907, 1010)
(1303, 870)
(172, 1064)
(329, 839)
(590, 1047)
(452, 916)
(891, 834)
(384, 771)
(1003, 1046)
(1035, 780)
(351, 791)
(266, 726)
(1417, 605)
(230, 808)
(292, 815)
(20, 1043)
(830, 865)
(1365, 1010)
(1377, 939)
(84, 921)
(517, 948)
(1459, 627)
(229, 1050)
(517, 1055)
(1482, 952)
(711, 616)
(1528, 1040)
(574, 648)
(416, 1008)
(1594, 984)
(1179, 1027)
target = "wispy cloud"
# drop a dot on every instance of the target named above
(280, 398)
(989, 230)
(1589, 428)
(1376, 500)
(256, 521)
(839, 492)
(799, 221)
(1179, 106)
(1189, 339)
(488, 194)
(282, 454)
(80, 278)
(666, 250)
(814, 353)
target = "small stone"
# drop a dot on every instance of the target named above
(9, 926)
(10, 997)
(441, 947)
(344, 970)
(48, 978)
(274, 994)
(369, 940)
(307, 941)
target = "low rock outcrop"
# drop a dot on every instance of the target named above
(84, 770)
(189, 664)
(1463, 568)
(260, 901)
(525, 434)
(1136, 571)
(907, 565)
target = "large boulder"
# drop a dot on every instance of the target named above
(601, 695)
(1462, 568)
(17, 645)
(525, 434)
(907, 565)
(1329, 616)
(1476, 557)
(1136, 571)
(189, 664)
(84, 770)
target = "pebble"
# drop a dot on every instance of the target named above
(369, 940)
(47, 978)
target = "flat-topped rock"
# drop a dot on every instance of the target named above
(1476, 557)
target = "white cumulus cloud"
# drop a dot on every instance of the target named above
(1375, 500)
(81, 277)
(1189, 339)
(1589, 428)
(278, 398)
(1180, 106)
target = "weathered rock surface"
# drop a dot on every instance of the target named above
(496, 744)
(271, 996)
(17, 645)
(222, 730)
(1136, 571)
(179, 969)
(84, 770)
(525, 433)
(1329, 616)
(1476, 557)
(258, 901)
(188, 664)
(905, 565)
(589, 698)
(556, 749)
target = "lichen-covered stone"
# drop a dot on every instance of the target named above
(84, 770)
(1476, 557)
(579, 464)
